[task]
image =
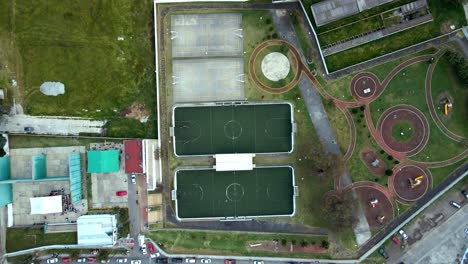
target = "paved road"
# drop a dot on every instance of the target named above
(444, 244)
(50, 125)
(134, 214)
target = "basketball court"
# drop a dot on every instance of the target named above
(233, 128)
(261, 192)
(202, 35)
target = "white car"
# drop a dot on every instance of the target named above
(135, 261)
(133, 179)
(122, 260)
(52, 260)
(143, 249)
(82, 260)
(205, 261)
(403, 234)
(155, 255)
(190, 260)
(258, 261)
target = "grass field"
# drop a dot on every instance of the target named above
(406, 88)
(402, 131)
(76, 44)
(47, 141)
(439, 174)
(445, 80)
(339, 124)
(228, 243)
(25, 238)
(444, 14)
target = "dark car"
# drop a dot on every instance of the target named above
(177, 260)
(162, 260)
(383, 253)
(28, 129)
(465, 194)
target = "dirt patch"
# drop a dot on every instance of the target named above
(276, 246)
(439, 105)
(381, 213)
(364, 85)
(413, 116)
(445, 27)
(372, 161)
(137, 111)
(402, 185)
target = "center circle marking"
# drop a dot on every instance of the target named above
(233, 129)
(234, 192)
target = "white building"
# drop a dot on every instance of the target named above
(97, 230)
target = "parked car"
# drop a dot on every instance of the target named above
(229, 261)
(121, 193)
(383, 253)
(155, 255)
(177, 260)
(91, 259)
(122, 260)
(258, 262)
(205, 261)
(143, 249)
(395, 240)
(133, 179)
(465, 194)
(52, 260)
(455, 204)
(190, 260)
(150, 247)
(135, 261)
(403, 234)
(67, 259)
(162, 260)
(82, 260)
(28, 129)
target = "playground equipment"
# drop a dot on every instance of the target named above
(380, 219)
(374, 202)
(416, 181)
(447, 108)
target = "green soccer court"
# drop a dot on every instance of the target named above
(222, 129)
(207, 193)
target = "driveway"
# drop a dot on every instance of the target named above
(50, 125)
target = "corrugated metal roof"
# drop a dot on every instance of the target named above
(74, 168)
(103, 161)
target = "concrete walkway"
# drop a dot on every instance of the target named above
(320, 120)
(50, 125)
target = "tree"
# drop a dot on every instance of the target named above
(336, 210)
(103, 254)
(284, 242)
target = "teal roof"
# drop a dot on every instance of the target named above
(4, 168)
(39, 169)
(6, 192)
(103, 161)
(74, 168)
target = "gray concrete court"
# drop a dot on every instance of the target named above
(200, 35)
(104, 187)
(22, 207)
(205, 80)
(56, 160)
(50, 125)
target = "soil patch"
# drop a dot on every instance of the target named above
(276, 246)
(372, 161)
(137, 111)
(364, 85)
(401, 183)
(380, 214)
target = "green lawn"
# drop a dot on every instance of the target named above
(25, 238)
(445, 80)
(231, 243)
(339, 124)
(76, 44)
(439, 174)
(48, 141)
(407, 87)
(402, 131)
(444, 14)
(350, 30)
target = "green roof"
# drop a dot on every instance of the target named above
(39, 167)
(103, 161)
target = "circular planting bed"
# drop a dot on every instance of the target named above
(404, 129)
(364, 85)
(273, 67)
(410, 183)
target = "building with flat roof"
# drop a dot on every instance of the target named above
(103, 161)
(46, 205)
(133, 156)
(97, 230)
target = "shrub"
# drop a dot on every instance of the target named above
(284, 242)
(325, 244)
(388, 172)
(390, 157)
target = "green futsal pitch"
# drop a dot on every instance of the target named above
(222, 129)
(207, 193)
